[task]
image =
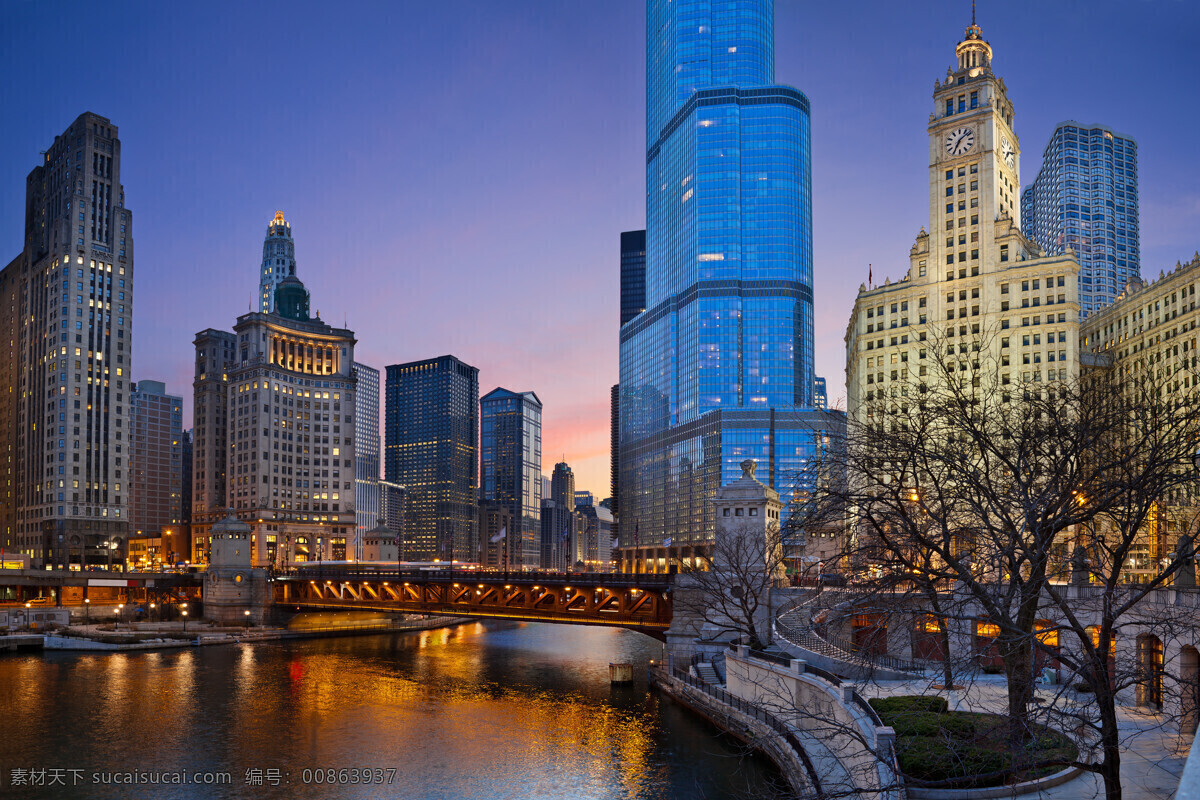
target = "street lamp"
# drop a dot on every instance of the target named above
(185, 620)
(87, 611)
(152, 611)
(120, 609)
(247, 615)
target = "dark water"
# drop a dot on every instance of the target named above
(492, 711)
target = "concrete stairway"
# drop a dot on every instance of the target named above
(707, 673)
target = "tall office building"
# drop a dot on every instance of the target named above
(977, 298)
(431, 432)
(820, 393)
(558, 525)
(719, 367)
(278, 262)
(391, 511)
(1129, 342)
(511, 467)
(274, 432)
(558, 519)
(562, 485)
(614, 455)
(367, 510)
(1085, 198)
(155, 464)
(66, 326)
(178, 546)
(495, 519)
(633, 274)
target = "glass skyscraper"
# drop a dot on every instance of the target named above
(431, 440)
(633, 274)
(367, 508)
(1086, 197)
(719, 367)
(511, 468)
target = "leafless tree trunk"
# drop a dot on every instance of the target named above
(960, 479)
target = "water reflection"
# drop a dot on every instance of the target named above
(496, 710)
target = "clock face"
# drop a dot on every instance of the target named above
(1006, 150)
(960, 141)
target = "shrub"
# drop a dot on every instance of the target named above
(909, 704)
(934, 744)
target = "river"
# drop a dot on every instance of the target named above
(483, 710)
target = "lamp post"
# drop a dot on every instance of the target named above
(120, 610)
(185, 620)
(152, 611)
(87, 611)
(247, 615)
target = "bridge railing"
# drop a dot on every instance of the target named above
(380, 573)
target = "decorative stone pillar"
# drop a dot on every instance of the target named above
(231, 586)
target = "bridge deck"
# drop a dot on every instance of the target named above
(637, 602)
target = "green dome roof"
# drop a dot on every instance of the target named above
(291, 299)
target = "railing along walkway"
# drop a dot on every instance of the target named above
(786, 732)
(837, 650)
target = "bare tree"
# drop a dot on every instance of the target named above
(730, 588)
(976, 495)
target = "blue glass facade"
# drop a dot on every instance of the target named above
(633, 274)
(511, 468)
(720, 364)
(1086, 197)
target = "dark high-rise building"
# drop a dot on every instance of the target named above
(431, 435)
(495, 519)
(367, 511)
(392, 510)
(719, 367)
(155, 464)
(558, 519)
(511, 467)
(179, 546)
(562, 485)
(557, 535)
(614, 457)
(66, 333)
(633, 274)
(1085, 197)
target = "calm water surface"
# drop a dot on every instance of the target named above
(494, 711)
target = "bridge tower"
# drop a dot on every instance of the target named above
(231, 586)
(747, 557)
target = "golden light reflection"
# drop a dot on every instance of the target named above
(473, 708)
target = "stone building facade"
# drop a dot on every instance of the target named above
(275, 433)
(977, 293)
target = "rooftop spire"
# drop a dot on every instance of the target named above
(278, 262)
(974, 54)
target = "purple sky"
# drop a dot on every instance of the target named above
(457, 174)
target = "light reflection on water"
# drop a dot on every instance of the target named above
(502, 710)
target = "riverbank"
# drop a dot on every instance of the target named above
(159, 636)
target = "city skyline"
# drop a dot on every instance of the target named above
(462, 186)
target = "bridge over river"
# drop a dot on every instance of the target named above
(640, 602)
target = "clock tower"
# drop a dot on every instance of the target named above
(979, 301)
(974, 157)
